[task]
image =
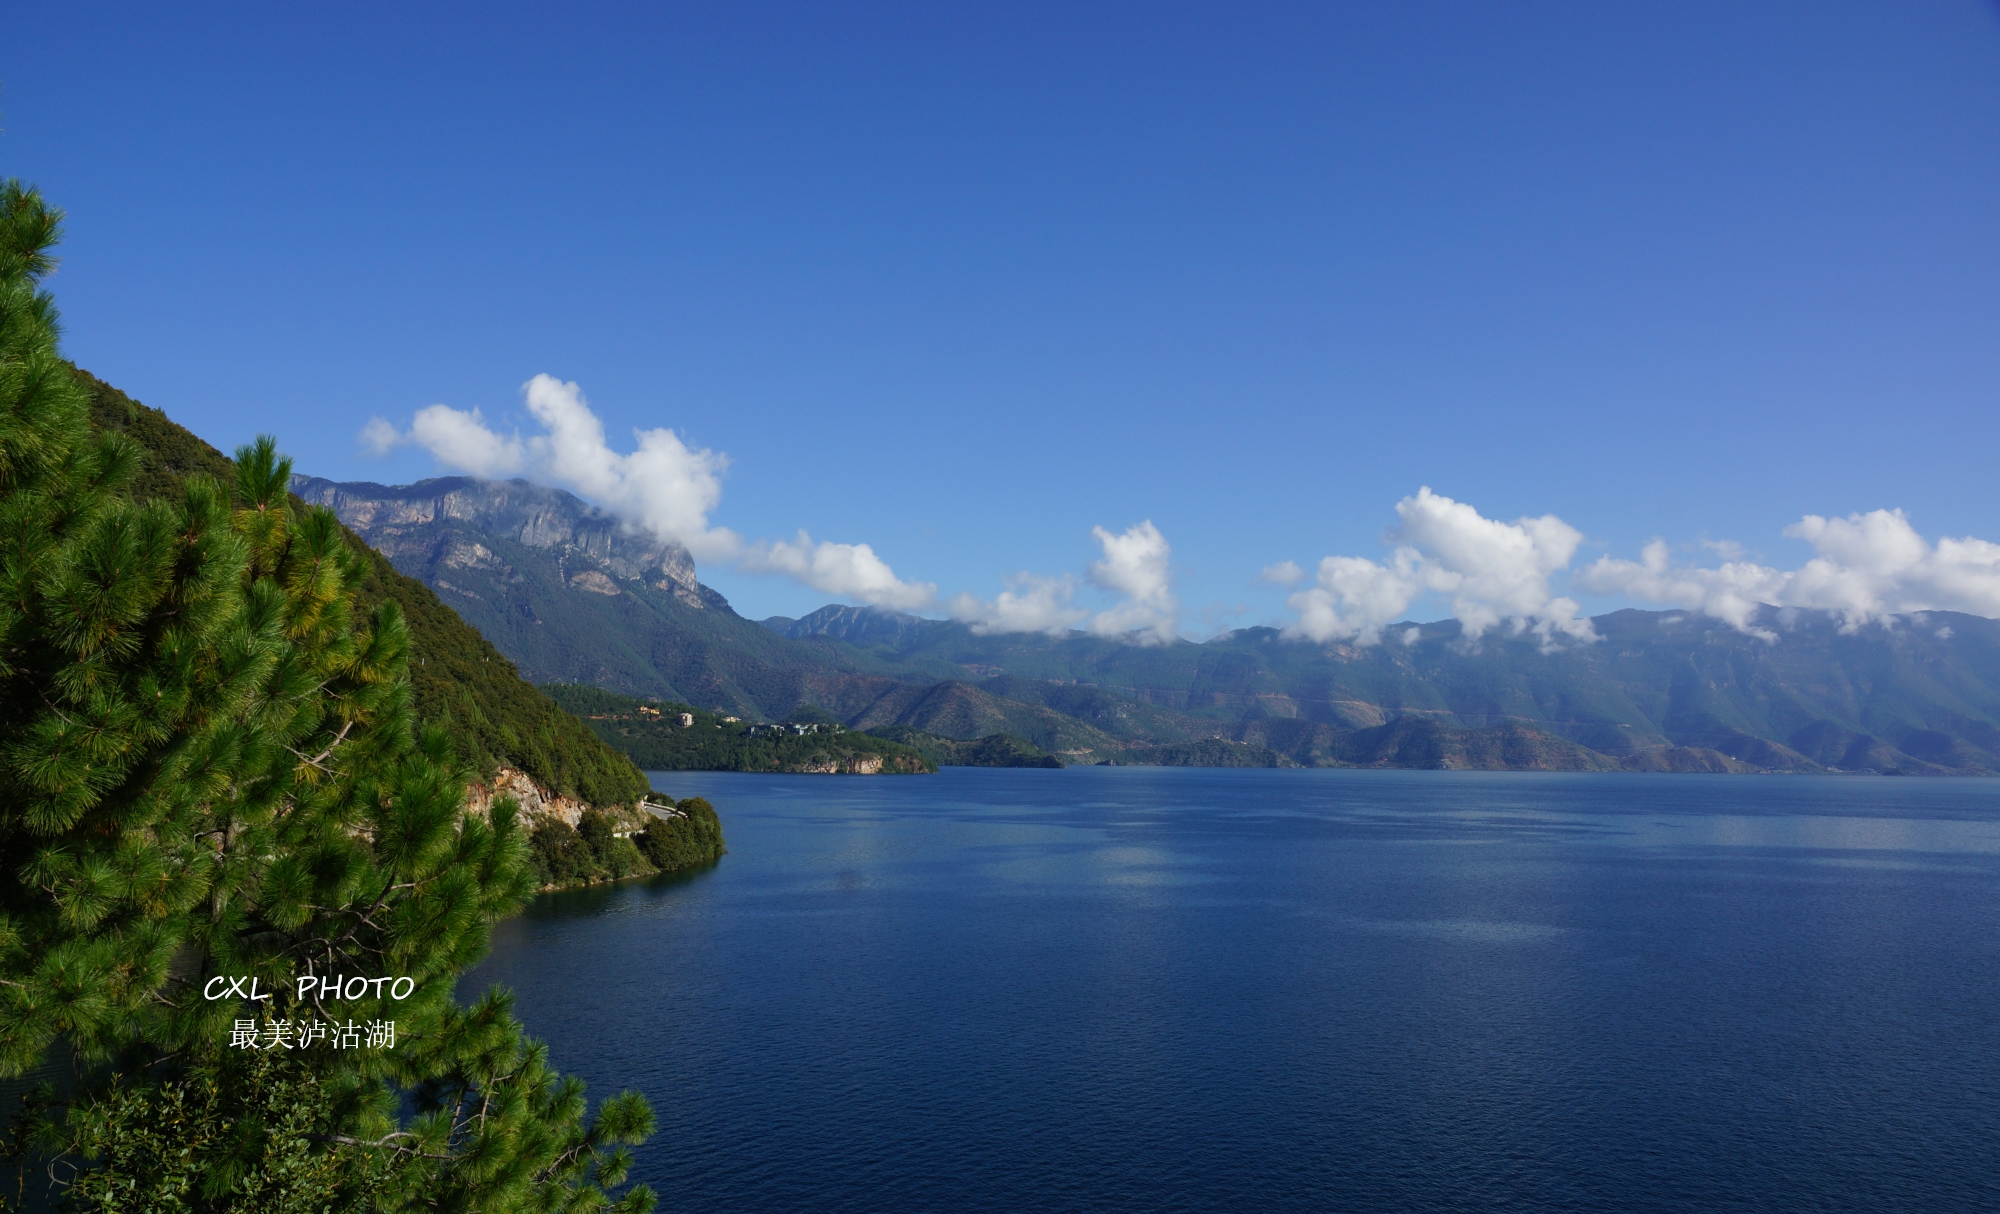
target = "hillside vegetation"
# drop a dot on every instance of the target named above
(459, 679)
(214, 775)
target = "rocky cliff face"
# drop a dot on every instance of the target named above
(448, 523)
(537, 801)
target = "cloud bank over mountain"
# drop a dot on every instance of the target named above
(1494, 575)
(852, 571)
(1487, 573)
(664, 486)
(1136, 565)
(1869, 567)
(671, 489)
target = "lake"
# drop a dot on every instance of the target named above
(1155, 989)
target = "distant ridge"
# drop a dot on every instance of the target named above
(572, 598)
(1663, 690)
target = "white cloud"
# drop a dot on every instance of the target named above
(1355, 598)
(1495, 574)
(1868, 567)
(849, 570)
(378, 437)
(663, 486)
(1730, 592)
(671, 489)
(1495, 571)
(462, 440)
(1135, 566)
(1284, 573)
(1031, 603)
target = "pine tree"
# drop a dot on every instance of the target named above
(209, 771)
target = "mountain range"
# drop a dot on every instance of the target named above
(574, 597)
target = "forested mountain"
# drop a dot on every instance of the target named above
(496, 717)
(573, 599)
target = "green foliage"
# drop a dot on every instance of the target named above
(458, 679)
(559, 853)
(588, 853)
(497, 716)
(692, 839)
(210, 765)
(251, 1132)
(651, 733)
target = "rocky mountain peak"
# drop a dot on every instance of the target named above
(449, 522)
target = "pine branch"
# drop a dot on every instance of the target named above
(322, 756)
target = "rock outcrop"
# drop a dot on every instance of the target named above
(537, 800)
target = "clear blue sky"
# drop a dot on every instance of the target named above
(961, 284)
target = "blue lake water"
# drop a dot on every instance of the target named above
(1147, 989)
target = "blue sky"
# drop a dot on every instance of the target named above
(963, 284)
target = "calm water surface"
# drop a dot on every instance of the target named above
(1143, 989)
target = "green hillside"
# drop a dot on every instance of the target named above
(456, 674)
